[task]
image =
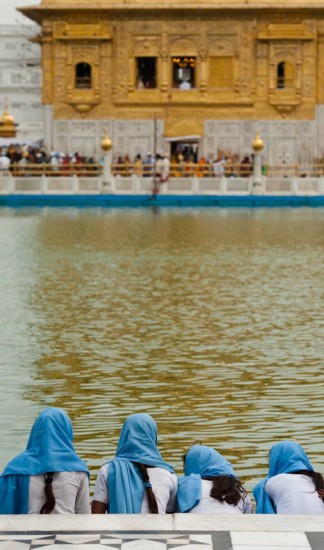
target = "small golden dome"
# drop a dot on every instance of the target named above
(106, 143)
(257, 143)
(7, 119)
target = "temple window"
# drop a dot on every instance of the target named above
(83, 77)
(146, 73)
(221, 72)
(285, 75)
(184, 69)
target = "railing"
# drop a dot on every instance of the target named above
(294, 170)
(59, 170)
(184, 170)
(72, 184)
(210, 170)
(177, 170)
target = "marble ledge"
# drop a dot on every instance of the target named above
(167, 523)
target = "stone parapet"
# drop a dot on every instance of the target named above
(151, 532)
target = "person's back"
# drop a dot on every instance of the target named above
(291, 486)
(210, 505)
(164, 486)
(48, 477)
(4, 162)
(137, 480)
(70, 490)
(294, 494)
(210, 485)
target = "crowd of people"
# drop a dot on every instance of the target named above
(182, 165)
(23, 159)
(26, 160)
(49, 477)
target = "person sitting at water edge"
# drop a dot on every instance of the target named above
(48, 477)
(291, 486)
(137, 480)
(210, 485)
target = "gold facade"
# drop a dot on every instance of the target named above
(237, 54)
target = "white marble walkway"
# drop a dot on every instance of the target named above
(178, 532)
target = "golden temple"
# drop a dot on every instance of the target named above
(190, 66)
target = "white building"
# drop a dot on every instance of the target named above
(21, 79)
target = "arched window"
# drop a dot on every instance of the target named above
(83, 76)
(285, 75)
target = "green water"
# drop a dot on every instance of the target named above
(210, 320)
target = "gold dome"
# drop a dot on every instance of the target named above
(7, 119)
(106, 143)
(7, 124)
(257, 143)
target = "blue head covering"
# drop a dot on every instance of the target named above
(200, 462)
(137, 443)
(49, 449)
(285, 457)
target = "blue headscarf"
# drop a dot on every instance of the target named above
(285, 457)
(200, 462)
(137, 443)
(49, 449)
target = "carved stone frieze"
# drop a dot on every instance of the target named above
(184, 45)
(219, 45)
(82, 128)
(144, 44)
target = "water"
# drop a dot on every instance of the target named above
(210, 320)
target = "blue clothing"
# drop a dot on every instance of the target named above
(49, 449)
(201, 462)
(137, 443)
(285, 457)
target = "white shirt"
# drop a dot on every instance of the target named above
(219, 167)
(294, 494)
(4, 162)
(209, 505)
(164, 486)
(185, 85)
(70, 489)
(165, 167)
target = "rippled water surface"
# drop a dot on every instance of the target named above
(211, 320)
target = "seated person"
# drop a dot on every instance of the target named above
(210, 485)
(137, 480)
(48, 477)
(291, 486)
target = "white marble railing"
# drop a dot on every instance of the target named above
(135, 185)
(159, 523)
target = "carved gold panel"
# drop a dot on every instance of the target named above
(83, 99)
(287, 98)
(146, 46)
(90, 31)
(183, 45)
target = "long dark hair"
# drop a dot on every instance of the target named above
(317, 479)
(227, 489)
(48, 507)
(153, 507)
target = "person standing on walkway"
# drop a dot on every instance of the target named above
(291, 486)
(210, 485)
(48, 477)
(137, 480)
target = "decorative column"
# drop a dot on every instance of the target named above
(108, 180)
(258, 187)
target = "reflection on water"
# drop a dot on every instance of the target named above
(210, 320)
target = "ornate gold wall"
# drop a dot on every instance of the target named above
(246, 44)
